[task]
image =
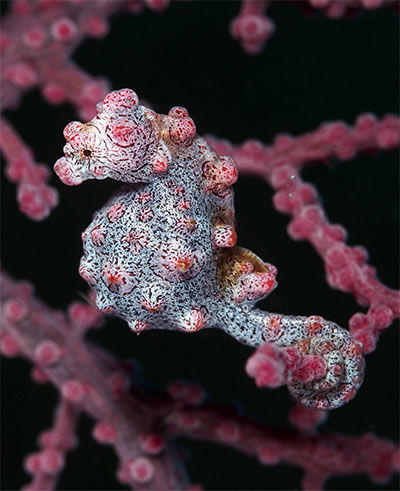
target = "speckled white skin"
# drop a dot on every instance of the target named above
(161, 253)
(153, 226)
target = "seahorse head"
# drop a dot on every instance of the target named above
(122, 142)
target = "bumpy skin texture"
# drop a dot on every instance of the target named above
(162, 252)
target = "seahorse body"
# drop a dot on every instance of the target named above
(162, 252)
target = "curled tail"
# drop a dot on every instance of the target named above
(343, 356)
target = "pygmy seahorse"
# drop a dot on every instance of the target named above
(162, 252)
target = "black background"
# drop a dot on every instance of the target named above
(313, 69)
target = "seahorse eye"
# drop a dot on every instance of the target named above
(87, 153)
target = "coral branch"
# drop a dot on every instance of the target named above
(335, 9)
(91, 382)
(329, 140)
(37, 41)
(346, 267)
(46, 465)
(252, 27)
(35, 198)
(273, 366)
(321, 456)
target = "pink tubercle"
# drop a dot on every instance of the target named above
(151, 443)
(64, 30)
(47, 352)
(142, 470)
(73, 390)
(15, 309)
(104, 432)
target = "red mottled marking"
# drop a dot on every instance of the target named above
(124, 98)
(184, 205)
(182, 130)
(71, 129)
(183, 264)
(113, 278)
(123, 134)
(314, 324)
(178, 112)
(160, 166)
